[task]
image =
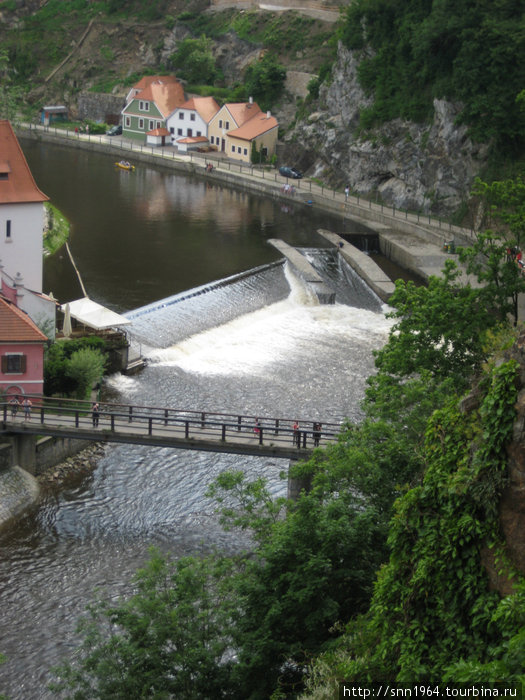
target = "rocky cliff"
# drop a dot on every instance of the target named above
(423, 167)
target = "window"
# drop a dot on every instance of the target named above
(245, 151)
(264, 151)
(220, 123)
(192, 117)
(190, 132)
(226, 125)
(13, 364)
(199, 133)
(143, 106)
(151, 125)
(233, 149)
(158, 125)
(141, 123)
(127, 121)
(4, 175)
(181, 115)
(179, 132)
(8, 228)
(172, 130)
(212, 139)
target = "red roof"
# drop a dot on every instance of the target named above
(167, 96)
(16, 181)
(256, 126)
(16, 326)
(159, 132)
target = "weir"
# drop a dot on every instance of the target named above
(306, 271)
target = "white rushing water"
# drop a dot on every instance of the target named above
(291, 357)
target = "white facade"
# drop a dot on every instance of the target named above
(21, 241)
(186, 122)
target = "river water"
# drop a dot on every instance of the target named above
(258, 344)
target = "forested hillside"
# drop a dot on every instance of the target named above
(457, 50)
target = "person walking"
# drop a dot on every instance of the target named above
(95, 414)
(347, 192)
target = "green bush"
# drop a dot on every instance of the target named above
(58, 380)
(85, 367)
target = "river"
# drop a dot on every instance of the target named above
(261, 345)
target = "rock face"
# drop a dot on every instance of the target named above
(424, 167)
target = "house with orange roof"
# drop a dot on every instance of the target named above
(149, 108)
(145, 82)
(21, 352)
(190, 121)
(238, 126)
(21, 213)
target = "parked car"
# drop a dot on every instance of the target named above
(290, 172)
(114, 131)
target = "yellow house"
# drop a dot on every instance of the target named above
(237, 125)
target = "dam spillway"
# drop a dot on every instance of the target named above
(324, 293)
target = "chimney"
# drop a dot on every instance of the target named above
(250, 100)
(19, 287)
(268, 114)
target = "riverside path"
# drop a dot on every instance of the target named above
(168, 427)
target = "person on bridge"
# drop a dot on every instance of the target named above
(14, 403)
(296, 434)
(27, 408)
(95, 414)
(317, 433)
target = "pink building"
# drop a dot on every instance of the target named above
(21, 352)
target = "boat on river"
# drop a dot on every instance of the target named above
(125, 165)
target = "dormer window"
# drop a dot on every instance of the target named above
(4, 171)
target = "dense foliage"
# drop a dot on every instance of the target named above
(432, 616)
(423, 50)
(194, 61)
(72, 367)
(411, 492)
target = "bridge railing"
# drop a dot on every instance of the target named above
(152, 421)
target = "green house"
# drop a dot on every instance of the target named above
(149, 104)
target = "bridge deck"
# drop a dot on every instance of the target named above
(190, 430)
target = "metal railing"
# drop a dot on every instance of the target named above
(170, 423)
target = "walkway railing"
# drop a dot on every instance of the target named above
(304, 187)
(170, 423)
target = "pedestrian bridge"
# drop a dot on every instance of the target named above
(169, 427)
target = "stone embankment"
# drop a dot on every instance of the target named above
(78, 465)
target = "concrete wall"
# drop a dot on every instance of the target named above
(39, 455)
(98, 107)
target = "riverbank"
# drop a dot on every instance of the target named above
(72, 469)
(261, 179)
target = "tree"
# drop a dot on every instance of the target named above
(194, 61)
(492, 257)
(10, 95)
(85, 367)
(440, 328)
(264, 80)
(169, 639)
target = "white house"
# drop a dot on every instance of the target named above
(191, 119)
(21, 213)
